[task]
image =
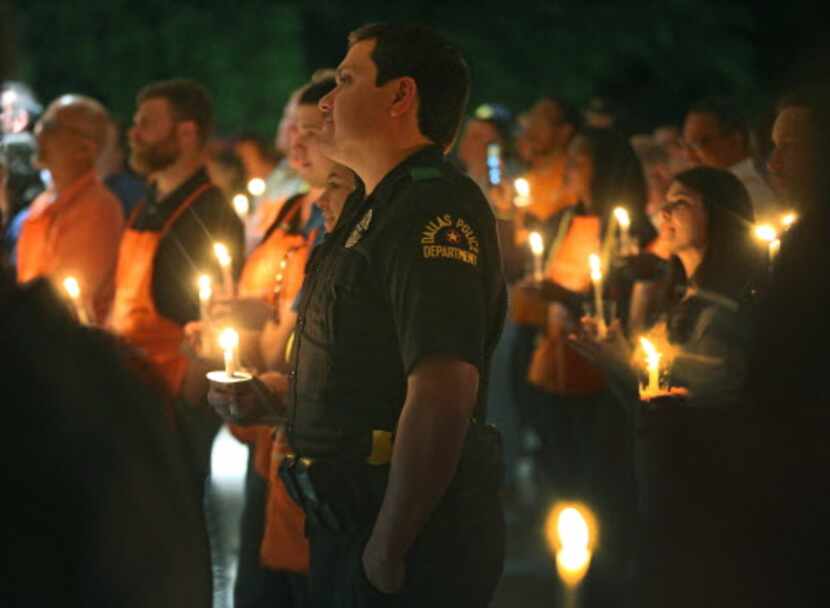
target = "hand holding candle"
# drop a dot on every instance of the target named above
(73, 289)
(225, 262)
(596, 278)
(537, 247)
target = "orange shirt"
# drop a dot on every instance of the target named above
(75, 232)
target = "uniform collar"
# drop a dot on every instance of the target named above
(431, 156)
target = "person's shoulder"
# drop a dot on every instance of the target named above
(102, 200)
(211, 204)
(441, 188)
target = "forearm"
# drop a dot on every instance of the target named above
(427, 449)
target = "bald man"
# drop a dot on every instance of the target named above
(74, 228)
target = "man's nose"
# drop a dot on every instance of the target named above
(326, 104)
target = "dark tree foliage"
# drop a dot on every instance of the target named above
(651, 57)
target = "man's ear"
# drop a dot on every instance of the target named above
(405, 97)
(188, 131)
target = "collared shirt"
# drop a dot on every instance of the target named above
(765, 203)
(187, 250)
(413, 271)
(80, 230)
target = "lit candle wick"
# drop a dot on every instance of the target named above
(624, 221)
(653, 367)
(537, 247)
(224, 257)
(205, 295)
(73, 289)
(229, 343)
(522, 198)
(596, 278)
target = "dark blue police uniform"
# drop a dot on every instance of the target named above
(413, 271)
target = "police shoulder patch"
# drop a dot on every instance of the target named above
(450, 237)
(359, 230)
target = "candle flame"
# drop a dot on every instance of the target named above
(241, 205)
(537, 244)
(623, 218)
(205, 287)
(595, 265)
(766, 233)
(789, 219)
(70, 284)
(652, 355)
(522, 187)
(256, 186)
(228, 339)
(222, 254)
(571, 532)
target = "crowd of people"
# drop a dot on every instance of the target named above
(639, 315)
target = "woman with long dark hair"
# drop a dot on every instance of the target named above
(685, 461)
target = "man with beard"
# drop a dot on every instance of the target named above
(73, 228)
(169, 240)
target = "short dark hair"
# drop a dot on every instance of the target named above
(728, 113)
(312, 93)
(189, 100)
(438, 68)
(570, 113)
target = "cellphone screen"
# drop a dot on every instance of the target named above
(494, 164)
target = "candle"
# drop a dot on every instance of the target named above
(788, 219)
(571, 531)
(241, 205)
(205, 295)
(653, 367)
(73, 289)
(522, 198)
(624, 221)
(256, 186)
(596, 278)
(537, 247)
(224, 258)
(769, 235)
(229, 343)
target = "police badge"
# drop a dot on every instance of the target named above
(359, 230)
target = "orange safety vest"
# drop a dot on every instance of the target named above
(274, 271)
(284, 544)
(555, 366)
(134, 316)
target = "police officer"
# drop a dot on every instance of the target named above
(401, 308)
